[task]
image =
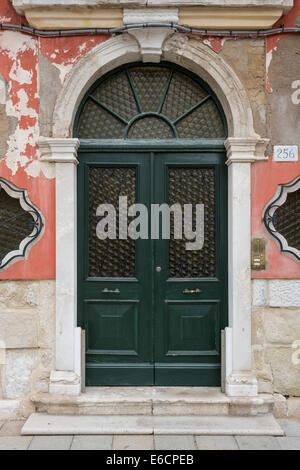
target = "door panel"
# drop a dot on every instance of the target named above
(193, 328)
(191, 288)
(115, 303)
(146, 325)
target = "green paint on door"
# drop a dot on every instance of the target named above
(152, 310)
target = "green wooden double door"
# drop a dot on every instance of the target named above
(152, 309)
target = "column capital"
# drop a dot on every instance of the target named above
(58, 150)
(245, 149)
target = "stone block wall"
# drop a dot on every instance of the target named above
(276, 335)
(27, 339)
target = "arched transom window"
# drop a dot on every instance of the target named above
(150, 102)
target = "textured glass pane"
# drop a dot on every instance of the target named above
(150, 128)
(150, 83)
(162, 90)
(203, 123)
(15, 224)
(287, 219)
(96, 123)
(182, 95)
(110, 258)
(116, 94)
(193, 186)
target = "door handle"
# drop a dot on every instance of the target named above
(110, 291)
(191, 291)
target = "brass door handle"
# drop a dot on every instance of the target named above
(191, 291)
(110, 291)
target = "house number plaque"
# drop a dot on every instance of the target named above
(285, 153)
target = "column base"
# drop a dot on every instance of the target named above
(241, 384)
(64, 383)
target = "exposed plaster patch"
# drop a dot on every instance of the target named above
(2, 90)
(13, 43)
(215, 44)
(19, 74)
(17, 52)
(269, 57)
(63, 70)
(35, 167)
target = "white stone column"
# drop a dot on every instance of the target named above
(241, 152)
(63, 152)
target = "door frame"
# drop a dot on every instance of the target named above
(244, 147)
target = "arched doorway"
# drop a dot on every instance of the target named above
(152, 309)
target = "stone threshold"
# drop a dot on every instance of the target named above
(44, 424)
(152, 401)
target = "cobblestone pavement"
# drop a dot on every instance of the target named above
(10, 439)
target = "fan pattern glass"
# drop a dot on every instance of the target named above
(150, 102)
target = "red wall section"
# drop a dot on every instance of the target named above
(41, 259)
(266, 176)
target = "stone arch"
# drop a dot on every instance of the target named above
(192, 54)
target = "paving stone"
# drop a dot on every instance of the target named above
(289, 443)
(41, 423)
(133, 442)
(51, 443)
(11, 428)
(291, 427)
(15, 442)
(216, 443)
(257, 443)
(92, 443)
(174, 442)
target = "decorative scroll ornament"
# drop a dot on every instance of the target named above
(282, 218)
(21, 224)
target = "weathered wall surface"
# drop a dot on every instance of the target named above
(276, 336)
(27, 331)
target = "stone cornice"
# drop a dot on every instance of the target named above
(245, 149)
(205, 14)
(22, 5)
(58, 150)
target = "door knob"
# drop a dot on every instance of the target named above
(158, 269)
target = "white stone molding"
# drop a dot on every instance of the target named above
(246, 150)
(66, 18)
(190, 53)
(150, 15)
(22, 5)
(62, 152)
(237, 19)
(241, 153)
(151, 41)
(99, 60)
(244, 146)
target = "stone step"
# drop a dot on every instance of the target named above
(44, 424)
(163, 401)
